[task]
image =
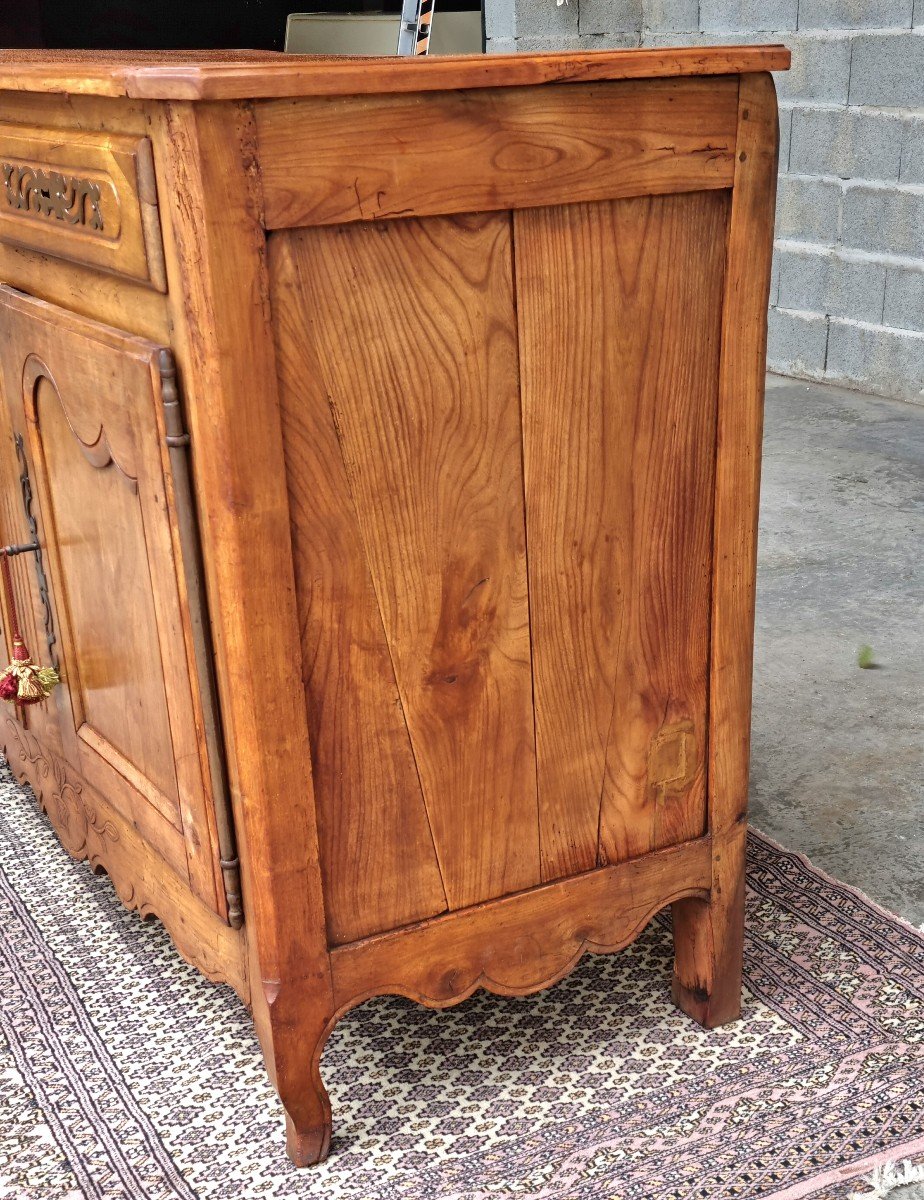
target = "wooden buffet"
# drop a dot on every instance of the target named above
(390, 431)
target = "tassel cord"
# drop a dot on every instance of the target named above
(10, 596)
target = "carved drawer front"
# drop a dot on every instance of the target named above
(85, 197)
(87, 401)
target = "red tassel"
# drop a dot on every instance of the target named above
(23, 681)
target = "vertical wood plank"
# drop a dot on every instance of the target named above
(709, 935)
(377, 854)
(219, 291)
(425, 410)
(619, 309)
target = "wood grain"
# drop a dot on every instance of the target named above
(86, 399)
(219, 297)
(377, 854)
(84, 290)
(522, 943)
(116, 675)
(425, 413)
(709, 938)
(81, 288)
(328, 160)
(362, 396)
(90, 829)
(126, 243)
(619, 313)
(243, 75)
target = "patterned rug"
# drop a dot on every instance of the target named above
(125, 1074)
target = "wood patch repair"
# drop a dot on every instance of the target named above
(672, 760)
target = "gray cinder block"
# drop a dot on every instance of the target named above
(751, 36)
(821, 280)
(912, 170)
(740, 15)
(808, 209)
(609, 16)
(658, 41)
(670, 16)
(500, 45)
(786, 115)
(904, 298)
(887, 220)
(797, 343)
(537, 44)
(500, 20)
(846, 142)
(610, 41)
(854, 14)
(888, 69)
(888, 362)
(545, 19)
(820, 68)
(775, 278)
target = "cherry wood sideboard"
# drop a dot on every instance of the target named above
(390, 434)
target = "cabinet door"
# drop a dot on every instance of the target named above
(87, 402)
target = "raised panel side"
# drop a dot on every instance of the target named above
(413, 369)
(619, 309)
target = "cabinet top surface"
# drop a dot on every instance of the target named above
(249, 74)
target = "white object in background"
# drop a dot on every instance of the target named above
(893, 1179)
(362, 33)
(414, 30)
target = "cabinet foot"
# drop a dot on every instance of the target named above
(293, 1034)
(709, 942)
(306, 1147)
(304, 1096)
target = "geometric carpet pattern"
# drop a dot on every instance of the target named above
(125, 1075)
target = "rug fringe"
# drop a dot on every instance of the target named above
(889, 1176)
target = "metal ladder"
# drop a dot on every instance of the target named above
(414, 30)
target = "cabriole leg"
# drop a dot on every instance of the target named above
(297, 1076)
(293, 1029)
(307, 1145)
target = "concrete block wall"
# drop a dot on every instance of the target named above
(847, 295)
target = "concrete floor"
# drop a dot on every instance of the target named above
(838, 752)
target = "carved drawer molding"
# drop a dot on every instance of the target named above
(85, 197)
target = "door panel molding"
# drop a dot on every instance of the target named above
(88, 400)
